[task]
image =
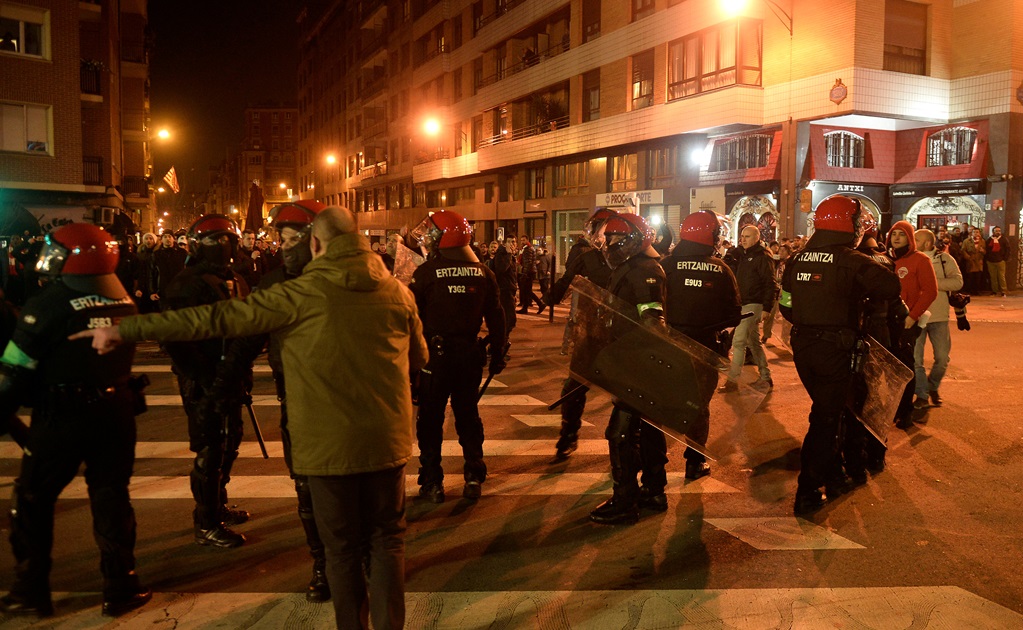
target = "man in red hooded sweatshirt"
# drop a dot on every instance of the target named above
(919, 288)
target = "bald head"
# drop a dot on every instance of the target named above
(749, 237)
(333, 221)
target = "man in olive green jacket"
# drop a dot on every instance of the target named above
(350, 337)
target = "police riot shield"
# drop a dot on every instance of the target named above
(669, 379)
(878, 389)
(405, 263)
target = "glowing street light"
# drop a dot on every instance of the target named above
(735, 7)
(161, 189)
(331, 159)
(282, 185)
(431, 127)
(163, 134)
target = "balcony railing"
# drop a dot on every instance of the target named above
(134, 119)
(91, 77)
(429, 156)
(92, 170)
(502, 8)
(134, 50)
(133, 186)
(526, 132)
(528, 62)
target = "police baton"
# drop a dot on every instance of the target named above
(255, 425)
(557, 403)
(483, 389)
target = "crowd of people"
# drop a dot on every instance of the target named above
(218, 300)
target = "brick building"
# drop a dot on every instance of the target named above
(266, 156)
(74, 144)
(540, 111)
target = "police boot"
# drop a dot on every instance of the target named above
(318, 590)
(654, 500)
(124, 594)
(623, 447)
(696, 469)
(618, 510)
(25, 603)
(233, 516)
(809, 501)
(567, 444)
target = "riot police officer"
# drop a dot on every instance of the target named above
(584, 259)
(636, 278)
(83, 410)
(212, 376)
(293, 222)
(702, 299)
(454, 293)
(822, 293)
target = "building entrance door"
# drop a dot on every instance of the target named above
(568, 228)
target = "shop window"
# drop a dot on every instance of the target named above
(591, 95)
(624, 172)
(905, 37)
(741, 153)
(730, 53)
(572, 179)
(845, 150)
(643, 80)
(24, 128)
(952, 146)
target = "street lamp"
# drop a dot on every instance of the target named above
(331, 158)
(431, 127)
(163, 134)
(735, 7)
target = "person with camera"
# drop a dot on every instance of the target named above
(83, 410)
(949, 279)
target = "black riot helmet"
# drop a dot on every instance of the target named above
(213, 240)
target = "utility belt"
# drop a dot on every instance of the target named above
(440, 344)
(844, 338)
(82, 393)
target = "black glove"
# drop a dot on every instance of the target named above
(497, 363)
(961, 320)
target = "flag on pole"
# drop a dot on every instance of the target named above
(172, 180)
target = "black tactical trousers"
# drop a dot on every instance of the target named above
(572, 411)
(66, 431)
(824, 369)
(623, 444)
(214, 434)
(305, 498)
(456, 374)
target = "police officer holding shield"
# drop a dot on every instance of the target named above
(636, 278)
(823, 289)
(454, 293)
(83, 410)
(702, 299)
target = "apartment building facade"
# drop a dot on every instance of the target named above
(74, 99)
(525, 115)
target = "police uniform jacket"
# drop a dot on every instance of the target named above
(350, 336)
(454, 297)
(702, 297)
(40, 341)
(588, 263)
(640, 282)
(825, 283)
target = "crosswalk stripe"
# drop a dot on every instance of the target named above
(166, 369)
(560, 610)
(774, 533)
(497, 484)
(270, 400)
(493, 400)
(543, 420)
(250, 449)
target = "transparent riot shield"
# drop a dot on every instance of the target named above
(878, 389)
(669, 379)
(405, 263)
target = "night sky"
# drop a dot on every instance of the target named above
(212, 59)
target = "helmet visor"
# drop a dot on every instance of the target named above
(426, 234)
(52, 257)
